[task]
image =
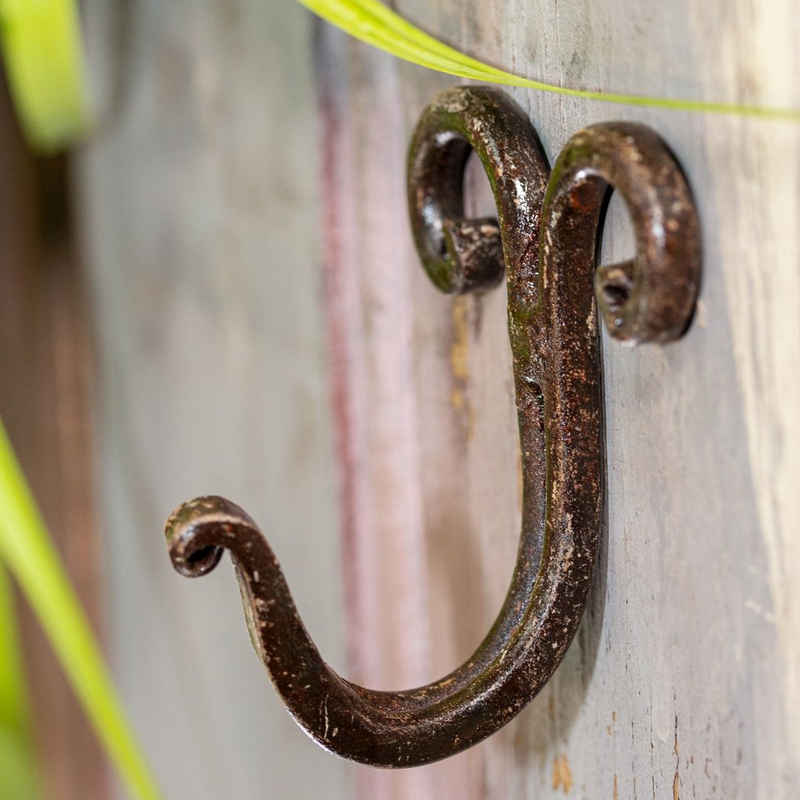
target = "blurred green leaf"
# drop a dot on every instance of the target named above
(41, 44)
(30, 555)
(17, 768)
(17, 763)
(13, 693)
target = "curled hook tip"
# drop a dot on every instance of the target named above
(190, 528)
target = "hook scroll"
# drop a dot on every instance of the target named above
(544, 239)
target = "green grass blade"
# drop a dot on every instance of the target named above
(13, 692)
(374, 23)
(17, 768)
(30, 555)
(41, 44)
(17, 763)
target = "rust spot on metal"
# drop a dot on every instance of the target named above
(544, 241)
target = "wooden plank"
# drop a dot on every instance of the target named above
(683, 680)
(371, 311)
(201, 217)
(203, 212)
(44, 402)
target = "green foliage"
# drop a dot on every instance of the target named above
(17, 766)
(43, 55)
(374, 23)
(29, 554)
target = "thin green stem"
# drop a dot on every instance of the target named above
(374, 23)
(17, 764)
(43, 53)
(30, 555)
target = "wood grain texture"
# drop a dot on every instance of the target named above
(683, 679)
(45, 405)
(229, 173)
(201, 223)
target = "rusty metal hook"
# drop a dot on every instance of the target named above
(546, 233)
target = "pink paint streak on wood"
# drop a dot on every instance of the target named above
(347, 364)
(368, 299)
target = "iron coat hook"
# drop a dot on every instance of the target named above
(544, 239)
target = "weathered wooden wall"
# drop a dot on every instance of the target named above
(234, 184)
(683, 681)
(201, 220)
